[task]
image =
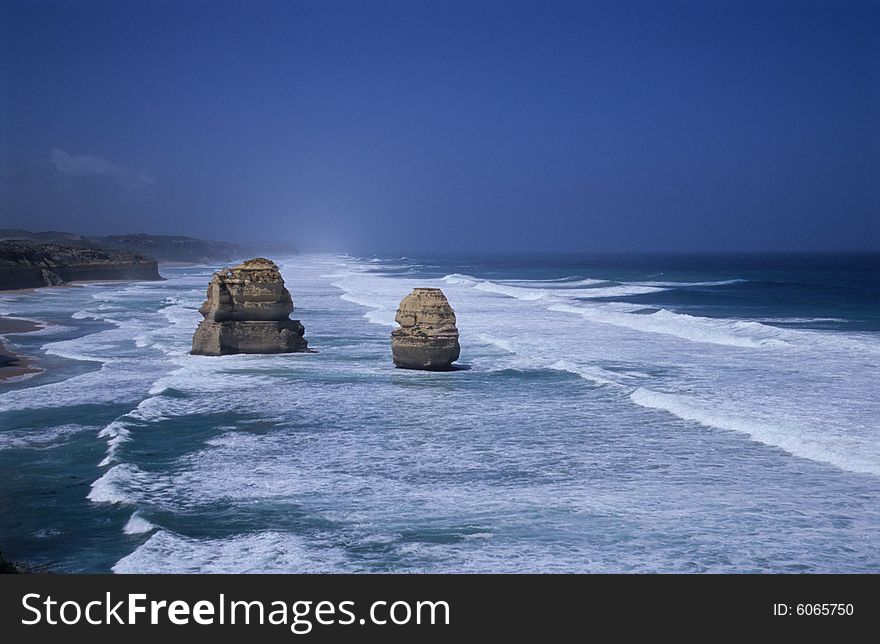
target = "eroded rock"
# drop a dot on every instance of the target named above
(427, 338)
(246, 311)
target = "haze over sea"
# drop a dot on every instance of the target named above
(614, 414)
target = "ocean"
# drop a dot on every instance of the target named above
(612, 414)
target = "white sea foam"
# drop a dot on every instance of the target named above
(595, 375)
(560, 283)
(501, 343)
(116, 433)
(128, 384)
(137, 524)
(520, 293)
(107, 488)
(557, 283)
(547, 290)
(457, 278)
(46, 329)
(687, 284)
(271, 551)
(798, 320)
(42, 438)
(798, 440)
(735, 333)
(126, 484)
(377, 314)
(70, 349)
(86, 314)
(383, 317)
(611, 291)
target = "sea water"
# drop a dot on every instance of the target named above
(612, 414)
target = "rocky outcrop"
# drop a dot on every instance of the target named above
(32, 264)
(246, 311)
(427, 338)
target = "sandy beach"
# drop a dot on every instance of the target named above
(11, 364)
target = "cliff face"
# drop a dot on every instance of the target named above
(169, 248)
(427, 338)
(246, 311)
(32, 264)
(163, 248)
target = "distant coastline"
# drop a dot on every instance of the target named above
(52, 258)
(26, 263)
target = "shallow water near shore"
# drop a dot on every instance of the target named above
(617, 414)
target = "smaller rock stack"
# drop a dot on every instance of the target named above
(427, 338)
(247, 311)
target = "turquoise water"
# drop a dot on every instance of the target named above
(633, 414)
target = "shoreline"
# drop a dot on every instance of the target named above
(14, 366)
(74, 284)
(16, 291)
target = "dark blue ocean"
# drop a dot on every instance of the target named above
(614, 414)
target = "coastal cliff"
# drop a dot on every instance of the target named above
(166, 249)
(32, 264)
(174, 248)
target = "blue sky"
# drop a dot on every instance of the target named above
(439, 126)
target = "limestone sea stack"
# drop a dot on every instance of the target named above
(247, 312)
(427, 338)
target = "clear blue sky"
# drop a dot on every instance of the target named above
(433, 126)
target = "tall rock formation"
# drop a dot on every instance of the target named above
(247, 311)
(427, 338)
